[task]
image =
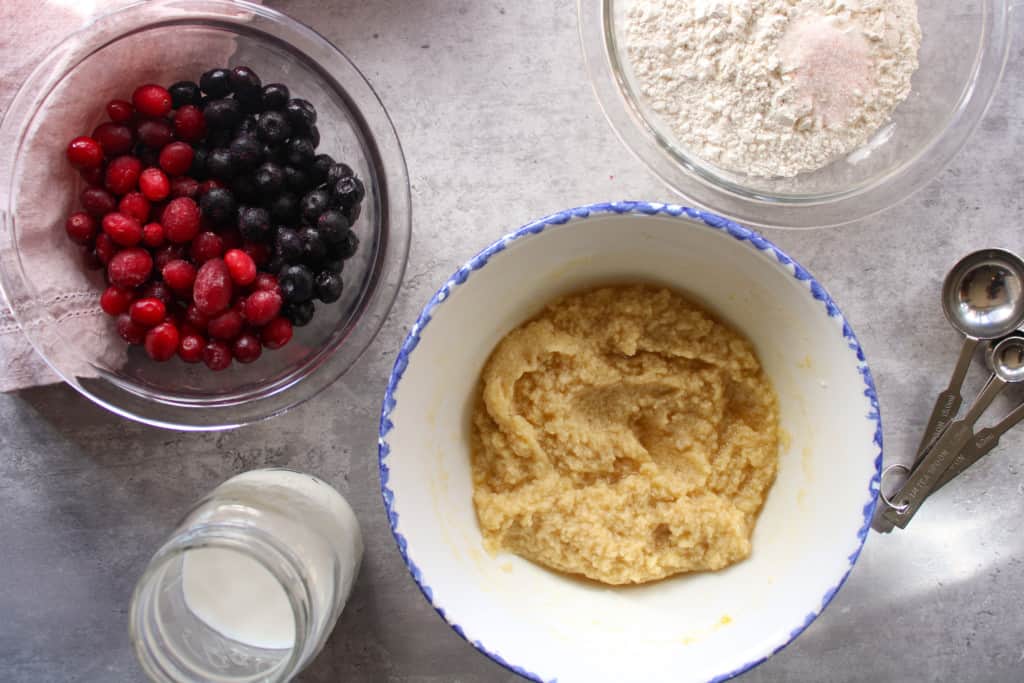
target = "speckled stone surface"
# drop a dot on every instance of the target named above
(499, 127)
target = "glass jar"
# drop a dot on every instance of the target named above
(250, 584)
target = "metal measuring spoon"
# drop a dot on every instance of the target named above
(1008, 367)
(982, 298)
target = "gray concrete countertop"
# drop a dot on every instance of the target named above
(500, 126)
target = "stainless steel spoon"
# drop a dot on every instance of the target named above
(1008, 367)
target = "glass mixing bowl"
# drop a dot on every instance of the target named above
(963, 51)
(53, 296)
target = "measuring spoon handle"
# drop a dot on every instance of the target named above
(983, 442)
(948, 402)
(939, 457)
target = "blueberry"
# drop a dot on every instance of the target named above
(299, 313)
(219, 164)
(348, 192)
(301, 114)
(332, 225)
(273, 127)
(275, 96)
(245, 190)
(198, 168)
(301, 152)
(296, 180)
(352, 213)
(296, 283)
(346, 249)
(314, 204)
(254, 223)
(247, 126)
(313, 248)
(221, 137)
(244, 78)
(218, 205)
(216, 82)
(184, 92)
(222, 113)
(322, 164)
(274, 265)
(313, 133)
(288, 245)
(328, 286)
(269, 179)
(337, 172)
(246, 152)
(285, 208)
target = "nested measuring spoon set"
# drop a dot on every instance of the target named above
(983, 299)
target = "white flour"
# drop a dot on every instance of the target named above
(773, 87)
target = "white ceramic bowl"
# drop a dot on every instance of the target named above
(699, 627)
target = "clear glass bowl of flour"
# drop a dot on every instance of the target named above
(963, 51)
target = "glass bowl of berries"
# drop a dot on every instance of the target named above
(206, 212)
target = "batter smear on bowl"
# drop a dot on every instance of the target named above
(773, 87)
(625, 435)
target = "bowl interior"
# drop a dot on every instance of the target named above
(43, 273)
(689, 627)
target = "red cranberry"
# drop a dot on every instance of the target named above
(93, 176)
(98, 202)
(136, 205)
(276, 333)
(148, 312)
(262, 306)
(81, 227)
(212, 290)
(184, 187)
(189, 123)
(167, 253)
(120, 111)
(152, 100)
(129, 267)
(181, 219)
(190, 347)
(116, 300)
(179, 275)
(105, 248)
(130, 331)
(217, 355)
(124, 230)
(154, 184)
(247, 348)
(176, 158)
(258, 252)
(226, 326)
(206, 246)
(115, 138)
(158, 290)
(241, 266)
(196, 319)
(85, 152)
(266, 282)
(123, 174)
(162, 342)
(155, 134)
(153, 235)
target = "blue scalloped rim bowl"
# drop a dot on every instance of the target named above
(696, 627)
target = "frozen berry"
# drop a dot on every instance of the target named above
(105, 248)
(276, 333)
(179, 275)
(226, 325)
(131, 332)
(167, 253)
(352, 213)
(314, 251)
(153, 235)
(152, 100)
(273, 127)
(297, 180)
(328, 286)
(262, 306)
(346, 248)
(196, 318)
(190, 348)
(300, 152)
(189, 123)
(284, 208)
(269, 179)
(246, 152)
(134, 204)
(337, 172)
(241, 267)
(217, 355)
(130, 267)
(154, 184)
(176, 158)
(120, 111)
(247, 348)
(185, 93)
(220, 164)
(254, 223)
(85, 152)
(314, 204)
(288, 245)
(275, 96)
(242, 78)
(223, 114)
(332, 225)
(322, 164)
(301, 114)
(115, 300)
(162, 342)
(181, 220)
(206, 245)
(115, 138)
(98, 202)
(216, 82)
(210, 184)
(93, 176)
(184, 187)
(299, 314)
(81, 227)
(296, 283)
(148, 312)
(265, 282)
(212, 289)
(155, 134)
(124, 230)
(158, 290)
(348, 192)
(123, 174)
(313, 133)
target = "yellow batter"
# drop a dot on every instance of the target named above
(626, 435)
